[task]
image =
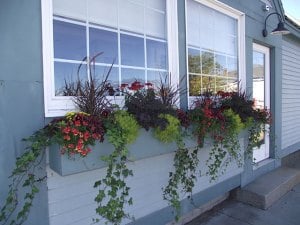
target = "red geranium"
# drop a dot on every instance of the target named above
(77, 131)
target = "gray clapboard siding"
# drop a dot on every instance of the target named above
(290, 93)
(71, 198)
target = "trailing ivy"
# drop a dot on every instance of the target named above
(113, 192)
(16, 210)
(182, 180)
(226, 145)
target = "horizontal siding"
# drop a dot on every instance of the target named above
(290, 93)
(71, 198)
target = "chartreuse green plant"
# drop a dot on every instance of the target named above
(113, 194)
(170, 132)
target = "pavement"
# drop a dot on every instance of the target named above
(286, 211)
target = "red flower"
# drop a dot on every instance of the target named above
(75, 131)
(67, 137)
(135, 86)
(71, 146)
(66, 130)
(123, 86)
(77, 123)
(86, 135)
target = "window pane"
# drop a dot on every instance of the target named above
(105, 42)
(157, 4)
(232, 85)
(132, 51)
(258, 65)
(103, 12)
(221, 84)
(208, 84)
(113, 78)
(156, 77)
(131, 16)
(194, 61)
(207, 62)
(156, 54)
(195, 84)
(67, 73)
(75, 9)
(131, 75)
(221, 65)
(232, 67)
(156, 24)
(69, 41)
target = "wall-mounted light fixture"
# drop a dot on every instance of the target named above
(280, 27)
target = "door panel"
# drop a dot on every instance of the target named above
(261, 94)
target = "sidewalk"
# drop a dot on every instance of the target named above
(286, 211)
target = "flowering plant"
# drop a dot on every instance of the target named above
(77, 131)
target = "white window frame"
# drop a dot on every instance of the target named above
(56, 106)
(240, 17)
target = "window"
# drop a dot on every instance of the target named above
(214, 47)
(133, 35)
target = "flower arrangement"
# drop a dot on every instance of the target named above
(219, 117)
(76, 132)
(144, 102)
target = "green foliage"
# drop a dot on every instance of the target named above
(128, 124)
(182, 180)
(226, 146)
(113, 192)
(170, 132)
(146, 108)
(15, 211)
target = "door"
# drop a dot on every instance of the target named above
(261, 94)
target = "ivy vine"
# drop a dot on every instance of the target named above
(113, 192)
(15, 210)
(182, 180)
(226, 145)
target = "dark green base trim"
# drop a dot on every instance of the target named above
(166, 215)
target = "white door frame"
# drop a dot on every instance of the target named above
(263, 152)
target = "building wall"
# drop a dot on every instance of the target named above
(290, 94)
(71, 198)
(21, 90)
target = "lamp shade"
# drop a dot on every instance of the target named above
(280, 29)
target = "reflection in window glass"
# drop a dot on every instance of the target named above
(105, 42)
(208, 84)
(212, 49)
(136, 43)
(208, 65)
(100, 73)
(195, 84)
(221, 84)
(67, 73)
(132, 51)
(232, 67)
(155, 77)
(194, 61)
(221, 68)
(69, 40)
(258, 65)
(131, 75)
(156, 54)
(232, 84)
